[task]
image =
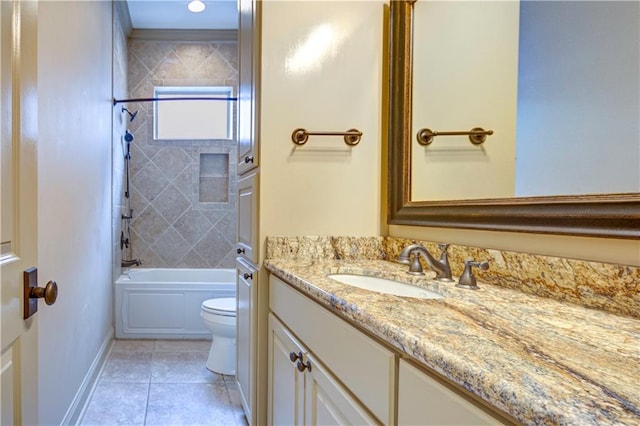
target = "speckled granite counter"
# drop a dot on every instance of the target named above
(540, 360)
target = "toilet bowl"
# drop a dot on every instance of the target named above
(219, 317)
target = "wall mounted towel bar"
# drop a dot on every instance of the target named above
(477, 135)
(351, 136)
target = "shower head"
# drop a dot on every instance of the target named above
(132, 115)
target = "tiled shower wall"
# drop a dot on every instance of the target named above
(183, 192)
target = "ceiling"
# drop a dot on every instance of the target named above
(173, 14)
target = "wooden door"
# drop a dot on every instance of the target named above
(18, 211)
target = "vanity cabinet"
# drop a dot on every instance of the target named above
(343, 362)
(323, 370)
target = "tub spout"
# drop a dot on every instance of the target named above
(132, 262)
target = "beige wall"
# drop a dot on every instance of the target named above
(321, 70)
(74, 199)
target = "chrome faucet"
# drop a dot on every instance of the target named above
(127, 263)
(441, 267)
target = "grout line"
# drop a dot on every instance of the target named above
(146, 406)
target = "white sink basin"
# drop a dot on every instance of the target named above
(383, 285)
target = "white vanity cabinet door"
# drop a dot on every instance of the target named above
(363, 366)
(423, 400)
(286, 383)
(328, 403)
(307, 395)
(245, 331)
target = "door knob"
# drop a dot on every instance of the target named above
(49, 292)
(32, 292)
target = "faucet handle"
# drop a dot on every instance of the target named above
(416, 266)
(443, 247)
(467, 279)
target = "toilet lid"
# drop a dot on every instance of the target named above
(225, 305)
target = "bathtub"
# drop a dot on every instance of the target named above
(165, 303)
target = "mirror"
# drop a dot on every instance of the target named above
(612, 212)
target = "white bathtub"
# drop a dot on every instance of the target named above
(165, 303)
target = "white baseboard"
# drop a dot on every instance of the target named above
(79, 403)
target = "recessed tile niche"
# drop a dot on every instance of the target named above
(213, 184)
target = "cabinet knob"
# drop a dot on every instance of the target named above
(248, 159)
(295, 356)
(248, 276)
(240, 251)
(301, 366)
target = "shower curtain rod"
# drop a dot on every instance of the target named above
(120, 101)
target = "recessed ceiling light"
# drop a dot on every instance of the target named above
(196, 6)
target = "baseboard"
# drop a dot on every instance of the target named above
(79, 403)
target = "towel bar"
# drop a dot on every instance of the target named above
(477, 135)
(351, 137)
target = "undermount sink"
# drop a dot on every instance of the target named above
(383, 285)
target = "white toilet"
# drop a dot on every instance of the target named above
(219, 316)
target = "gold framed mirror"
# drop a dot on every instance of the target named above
(601, 215)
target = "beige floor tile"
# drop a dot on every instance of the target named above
(117, 404)
(182, 345)
(162, 382)
(127, 367)
(182, 367)
(133, 345)
(189, 404)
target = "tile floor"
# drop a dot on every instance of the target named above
(162, 382)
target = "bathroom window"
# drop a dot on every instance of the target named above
(193, 119)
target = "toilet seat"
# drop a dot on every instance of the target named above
(225, 306)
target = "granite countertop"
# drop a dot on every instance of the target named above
(541, 361)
